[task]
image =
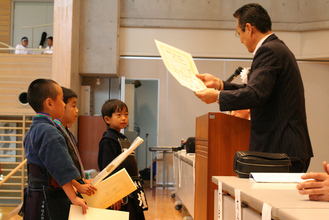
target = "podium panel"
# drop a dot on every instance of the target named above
(218, 137)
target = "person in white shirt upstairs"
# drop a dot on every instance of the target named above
(49, 48)
(22, 48)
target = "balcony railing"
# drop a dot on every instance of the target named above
(12, 160)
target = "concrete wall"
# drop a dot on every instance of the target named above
(311, 45)
(287, 15)
(99, 37)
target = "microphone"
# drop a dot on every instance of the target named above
(235, 74)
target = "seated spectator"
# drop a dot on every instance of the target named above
(49, 48)
(317, 188)
(22, 48)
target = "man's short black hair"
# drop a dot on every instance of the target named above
(255, 15)
(111, 106)
(67, 94)
(39, 90)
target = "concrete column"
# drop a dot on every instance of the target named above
(65, 68)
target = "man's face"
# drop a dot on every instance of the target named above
(245, 37)
(25, 43)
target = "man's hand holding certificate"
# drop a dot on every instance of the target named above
(181, 65)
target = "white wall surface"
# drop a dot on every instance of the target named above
(286, 15)
(315, 78)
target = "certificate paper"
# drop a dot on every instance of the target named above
(111, 190)
(181, 65)
(115, 187)
(93, 213)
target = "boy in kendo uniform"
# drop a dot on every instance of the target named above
(51, 171)
(69, 117)
(112, 144)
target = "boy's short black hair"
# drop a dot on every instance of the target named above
(39, 90)
(67, 94)
(111, 106)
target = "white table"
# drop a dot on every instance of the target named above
(286, 202)
(184, 178)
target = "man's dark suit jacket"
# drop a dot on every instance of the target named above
(275, 96)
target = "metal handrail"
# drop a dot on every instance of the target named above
(9, 47)
(13, 172)
(12, 48)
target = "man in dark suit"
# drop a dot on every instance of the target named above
(274, 92)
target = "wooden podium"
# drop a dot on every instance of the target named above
(218, 137)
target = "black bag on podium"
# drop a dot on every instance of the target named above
(246, 162)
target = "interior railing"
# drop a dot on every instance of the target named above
(13, 169)
(10, 48)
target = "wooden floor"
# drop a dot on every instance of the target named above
(161, 206)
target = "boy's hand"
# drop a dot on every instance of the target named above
(117, 205)
(69, 191)
(80, 202)
(87, 188)
(87, 180)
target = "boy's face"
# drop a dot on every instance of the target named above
(118, 121)
(57, 105)
(49, 42)
(71, 111)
